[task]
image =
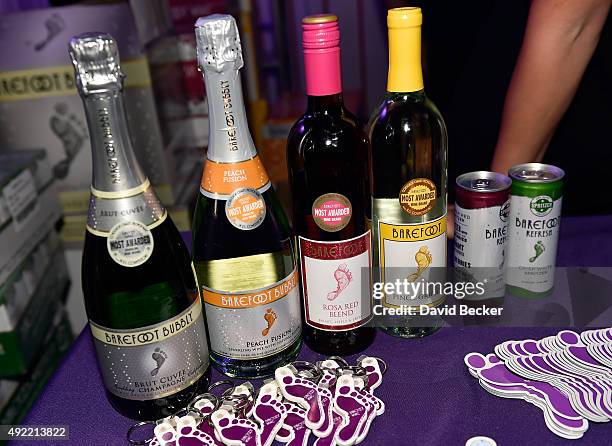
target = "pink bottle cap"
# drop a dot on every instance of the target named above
(321, 44)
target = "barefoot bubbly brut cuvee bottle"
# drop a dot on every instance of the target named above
(327, 153)
(242, 248)
(409, 179)
(140, 291)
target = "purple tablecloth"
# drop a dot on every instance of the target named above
(430, 397)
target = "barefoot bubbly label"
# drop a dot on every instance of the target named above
(408, 251)
(254, 324)
(156, 361)
(332, 282)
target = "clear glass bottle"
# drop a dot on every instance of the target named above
(409, 177)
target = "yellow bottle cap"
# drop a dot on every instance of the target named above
(404, 17)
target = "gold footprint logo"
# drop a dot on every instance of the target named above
(270, 317)
(423, 259)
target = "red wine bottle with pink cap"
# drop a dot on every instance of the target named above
(327, 153)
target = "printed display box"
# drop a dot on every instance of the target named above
(29, 206)
(17, 396)
(18, 290)
(19, 345)
(37, 82)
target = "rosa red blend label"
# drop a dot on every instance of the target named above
(334, 295)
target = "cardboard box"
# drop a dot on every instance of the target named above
(18, 346)
(40, 107)
(29, 199)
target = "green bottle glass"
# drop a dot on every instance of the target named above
(140, 292)
(242, 247)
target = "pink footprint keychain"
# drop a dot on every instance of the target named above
(302, 392)
(234, 431)
(269, 412)
(352, 407)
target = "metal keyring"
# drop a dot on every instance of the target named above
(356, 370)
(383, 371)
(135, 426)
(223, 382)
(340, 360)
(207, 395)
(315, 370)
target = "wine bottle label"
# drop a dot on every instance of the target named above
(107, 209)
(254, 324)
(418, 196)
(332, 212)
(411, 251)
(245, 209)
(155, 361)
(336, 282)
(220, 180)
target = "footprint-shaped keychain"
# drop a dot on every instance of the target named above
(294, 431)
(184, 433)
(269, 411)
(206, 405)
(352, 407)
(302, 392)
(234, 431)
(361, 385)
(374, 373)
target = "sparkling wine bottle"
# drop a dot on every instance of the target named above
(242, 247)
(141, 296)
(409, 178)
(327, 153)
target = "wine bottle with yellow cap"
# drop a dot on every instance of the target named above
(409, 180)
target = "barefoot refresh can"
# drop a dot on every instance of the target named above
(535, 214)
(482, 208)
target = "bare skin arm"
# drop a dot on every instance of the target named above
(559, 41)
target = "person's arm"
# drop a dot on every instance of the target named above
(559, 41)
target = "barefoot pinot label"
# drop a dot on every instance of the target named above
(535, 214)
(140, 292)
(242, 247)
(327, 154)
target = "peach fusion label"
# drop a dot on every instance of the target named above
(220, 180)
(332, 212)
(254, 324)
(336, 282)
(245, 209)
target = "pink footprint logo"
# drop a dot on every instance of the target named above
(343, 277)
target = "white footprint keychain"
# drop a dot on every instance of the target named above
(302, 392)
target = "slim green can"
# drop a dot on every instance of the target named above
(535, 215)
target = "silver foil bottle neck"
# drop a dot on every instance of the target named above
(218, 43)
(97, 68)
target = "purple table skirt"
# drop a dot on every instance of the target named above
(431, 399)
